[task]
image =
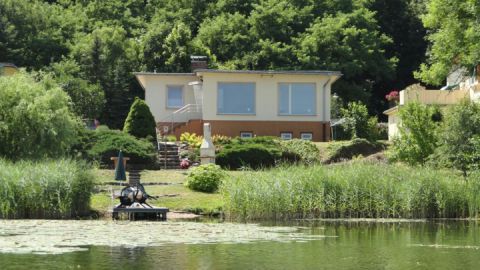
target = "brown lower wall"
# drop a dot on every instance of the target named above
(319, 130)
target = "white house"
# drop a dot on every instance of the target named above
(459, 86)
(246, 103)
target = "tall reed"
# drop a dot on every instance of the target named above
(354, 190)
(50, 189)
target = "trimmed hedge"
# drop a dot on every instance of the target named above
(251, 155)
(102, 144)
(300, 151)
(355, 148)
(108, 143)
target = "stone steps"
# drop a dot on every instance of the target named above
(168, 156)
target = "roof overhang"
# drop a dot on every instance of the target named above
(272, 72)
(392, 110)
(333, 75)
(141, 75)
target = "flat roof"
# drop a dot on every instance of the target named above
(164, 74)
(297, 72)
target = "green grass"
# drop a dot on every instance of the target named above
(186, 199)
(327, 149)
(47, 189)
(353, 190)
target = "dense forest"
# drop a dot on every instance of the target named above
(91, 47)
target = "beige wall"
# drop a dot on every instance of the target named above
(266, 92)
(155, 86)
(441, 97)
(393, 121)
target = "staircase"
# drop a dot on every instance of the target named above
(168, 155)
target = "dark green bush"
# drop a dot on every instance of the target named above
(140, 121)
(354, 148)
(263, 140)
(459, 138)
(106, 143)
(251, 155)
(192, 154)
(205, 178)
(302, 151)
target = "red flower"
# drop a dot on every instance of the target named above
(392, 96)
(184, 164)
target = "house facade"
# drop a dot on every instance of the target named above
(459, 87)
(286, 104)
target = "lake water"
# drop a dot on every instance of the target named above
(27, 244)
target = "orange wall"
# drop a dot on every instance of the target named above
(319, 130)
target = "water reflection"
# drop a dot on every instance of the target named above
(392, 245)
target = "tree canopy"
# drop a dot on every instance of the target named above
(94, 46)
(35, 119)
(454, 34)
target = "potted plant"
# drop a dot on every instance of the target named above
(393, 98)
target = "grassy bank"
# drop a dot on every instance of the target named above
(353, 190)
(167, 185)
(48, 189)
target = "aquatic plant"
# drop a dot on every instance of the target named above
(352, 190)
(49, 189)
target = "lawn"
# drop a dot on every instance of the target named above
(173, 195)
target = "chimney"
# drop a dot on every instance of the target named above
(198, 62)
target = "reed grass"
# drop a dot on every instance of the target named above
(353, 190)
(49, 189)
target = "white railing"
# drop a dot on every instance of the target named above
(183, 115)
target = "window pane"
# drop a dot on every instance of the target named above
(236, 98)
(303, 98)
(175, 97)
(283, 107)
(286, 135)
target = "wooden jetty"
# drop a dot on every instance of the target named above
(138, 211)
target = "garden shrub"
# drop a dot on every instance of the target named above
(251, 155)
(35, 119)
(191, 154)
(191, 139)
(354, 148)
(107, 143)
(297, 150)
(358, 123)
(171, 138)
(140, 121)
(221, 139)
(417, 139)
(205, 178)
(459, 138)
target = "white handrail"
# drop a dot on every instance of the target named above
(183, 115)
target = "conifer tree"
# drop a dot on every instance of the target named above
(140, 121)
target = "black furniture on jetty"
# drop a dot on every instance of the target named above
(133, 203)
